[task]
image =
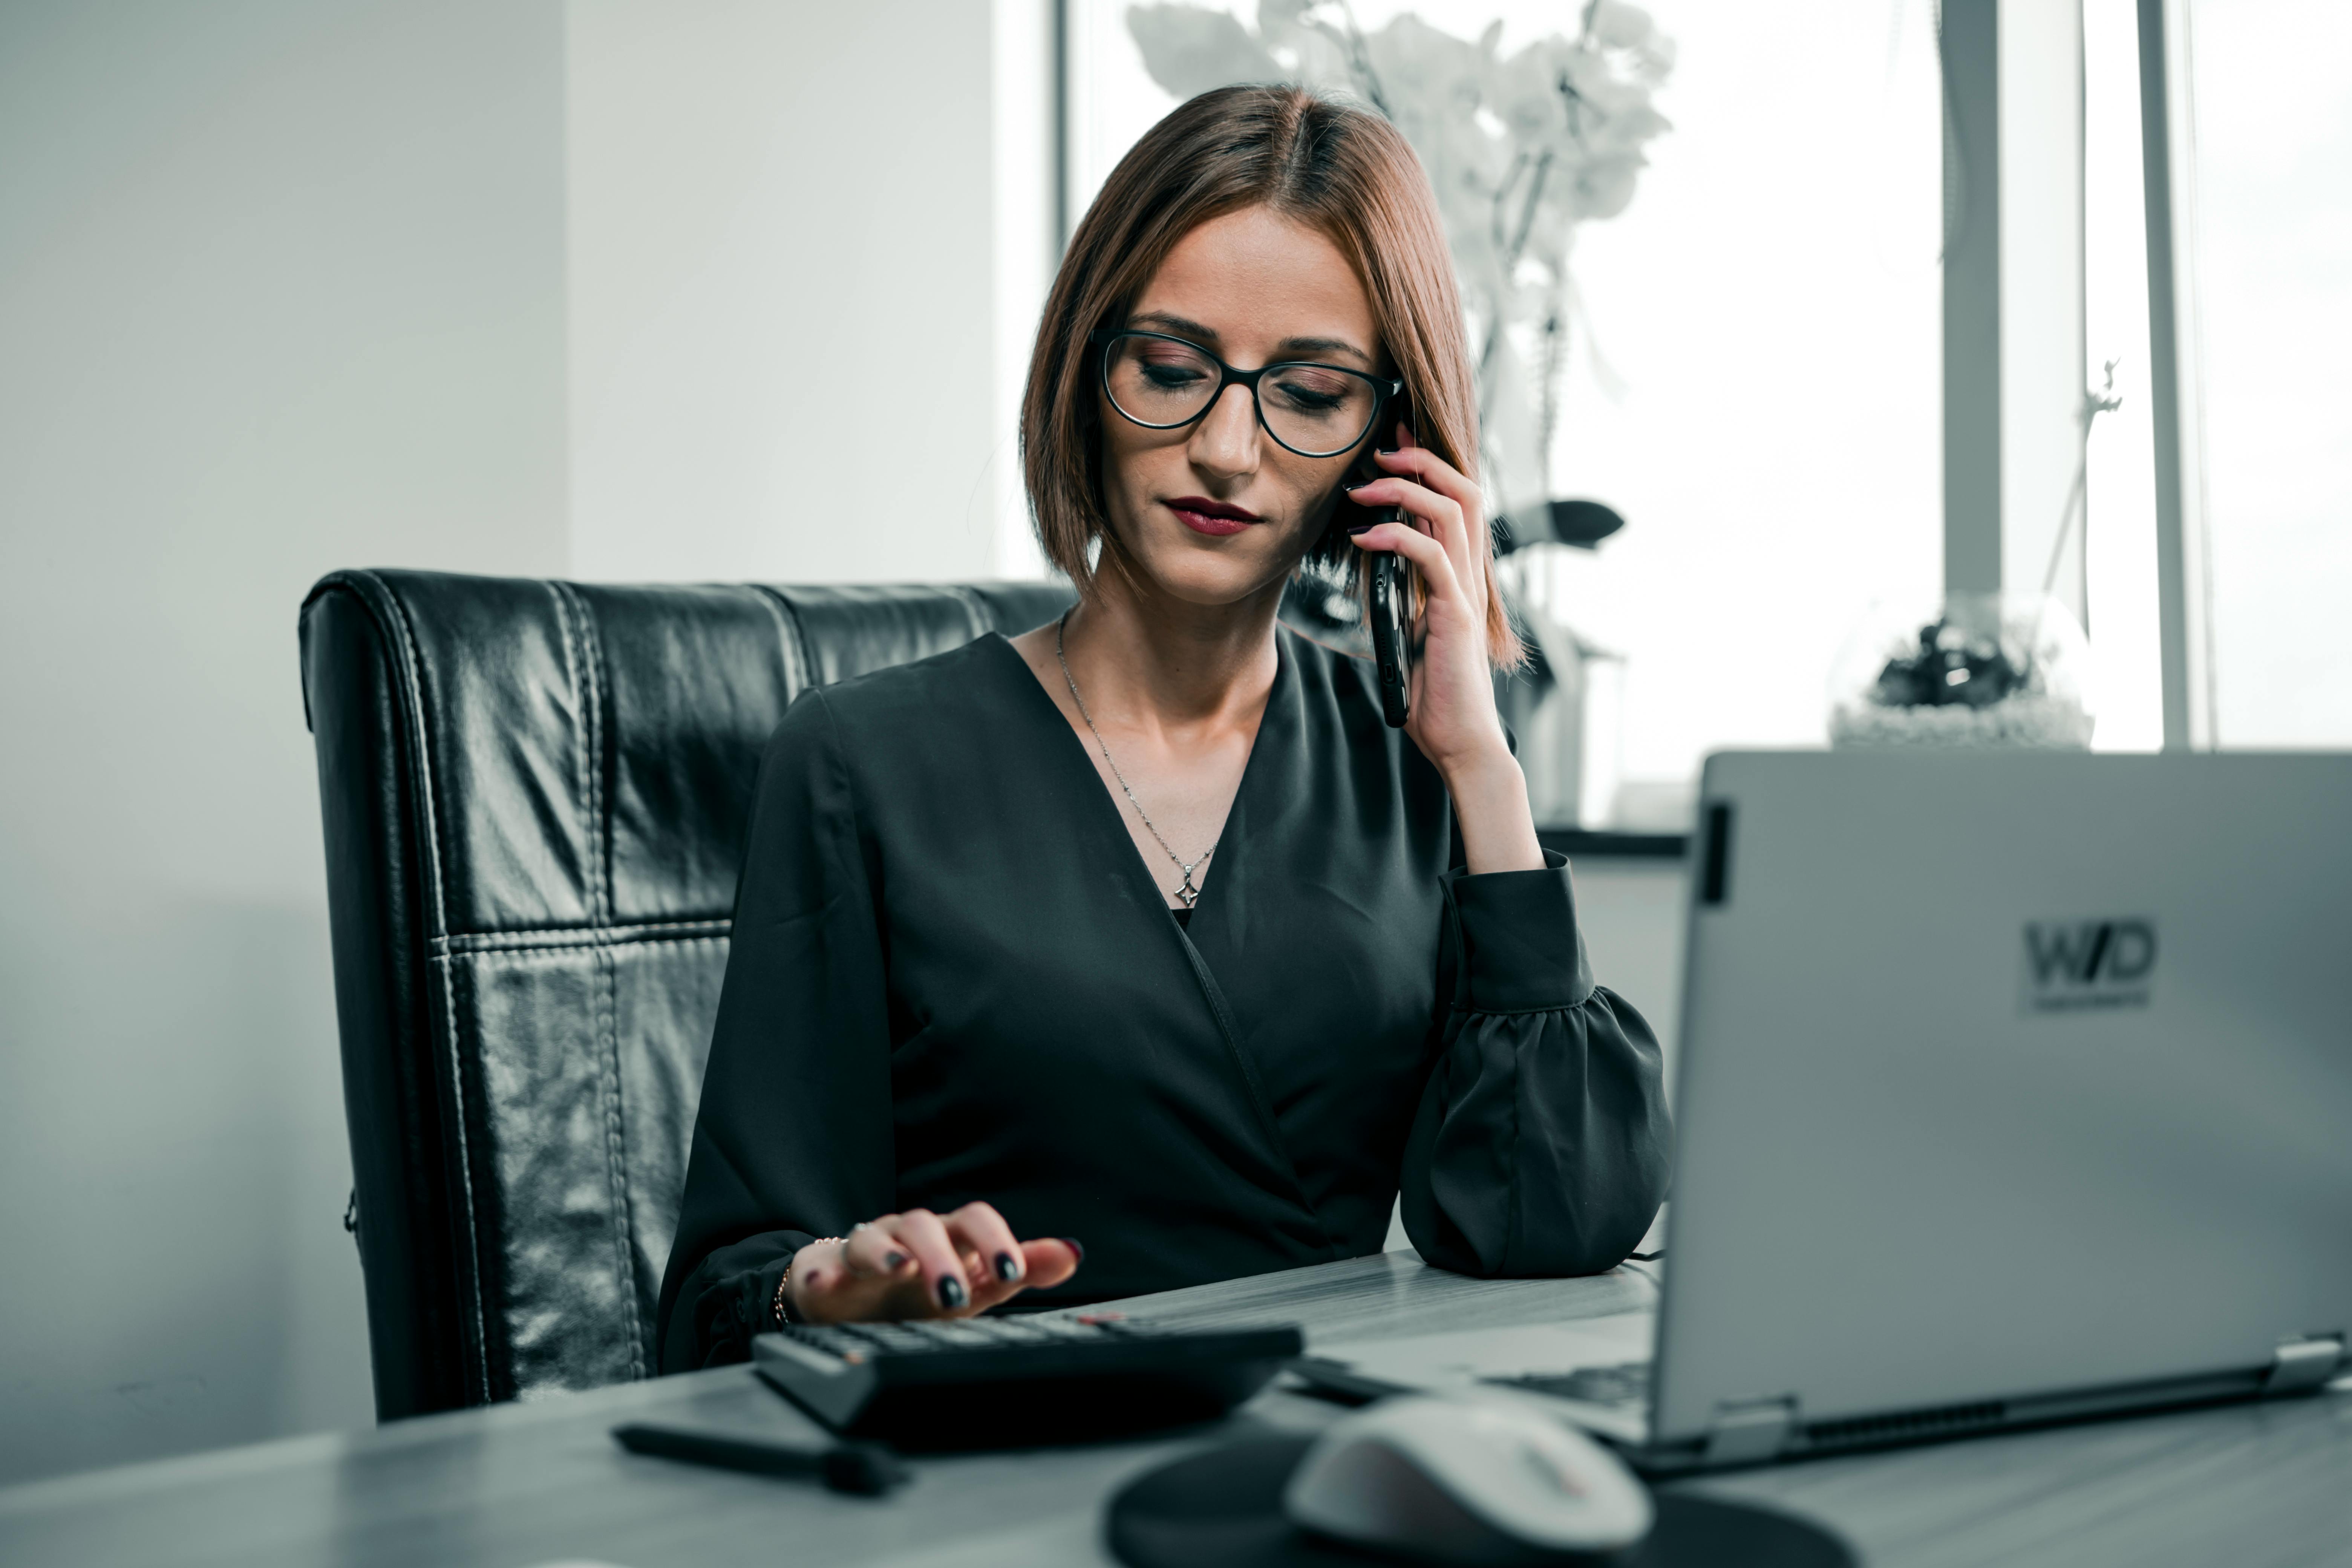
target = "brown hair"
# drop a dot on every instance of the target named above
(1343, 171)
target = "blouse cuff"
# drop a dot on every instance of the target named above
(730, 1296)
(1521, 949)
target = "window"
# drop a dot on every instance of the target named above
(1755, 379)
(2120, 495)
(2273, 141)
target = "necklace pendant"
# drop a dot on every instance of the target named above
(1188, 895)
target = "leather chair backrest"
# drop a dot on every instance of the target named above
(535, 797)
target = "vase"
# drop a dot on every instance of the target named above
(1978, 669)
(1563, 707)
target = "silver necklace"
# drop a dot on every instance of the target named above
(1188, 895)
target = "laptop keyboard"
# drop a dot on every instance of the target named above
(1625, 1384)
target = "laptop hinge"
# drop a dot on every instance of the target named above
(1751, 1431)
(2302, 1364)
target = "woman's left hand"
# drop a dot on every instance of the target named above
(1453, 721)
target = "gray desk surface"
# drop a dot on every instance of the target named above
(2247, 1486)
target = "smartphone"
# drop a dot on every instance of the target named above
(1391, 601)
(1391, 611)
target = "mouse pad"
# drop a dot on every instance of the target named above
(1224, 1508)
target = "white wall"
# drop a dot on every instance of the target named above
(281, 290)
(608, 288)
(1027, 218)
(783, 310)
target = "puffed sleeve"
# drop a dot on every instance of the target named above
(1540, 1146)
(793, 1140)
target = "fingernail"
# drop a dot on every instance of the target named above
(1008, 1267)
(951, 1292)
(1073, 1243)
(1385, 451)
(1352, 489)
(1354, 529)
(894, 1261)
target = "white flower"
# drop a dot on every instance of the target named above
(1189, 50)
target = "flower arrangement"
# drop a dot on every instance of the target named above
(1991, 670)
(1520, 149)
(2005, 669)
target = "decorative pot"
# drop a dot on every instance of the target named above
(1986, 669)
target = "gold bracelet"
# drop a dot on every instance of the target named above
(781, 1305)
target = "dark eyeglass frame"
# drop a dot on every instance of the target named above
(1385, 389)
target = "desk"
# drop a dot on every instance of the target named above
(2249, 1486)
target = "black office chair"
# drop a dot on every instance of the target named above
(535, 797)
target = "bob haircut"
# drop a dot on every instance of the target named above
(1343, 171)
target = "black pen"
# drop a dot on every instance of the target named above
(869, 1469)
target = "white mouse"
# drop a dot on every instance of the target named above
(1467, 1480)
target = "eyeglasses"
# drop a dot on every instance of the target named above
(1164, 383)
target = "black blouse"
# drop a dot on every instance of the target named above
(953, 978)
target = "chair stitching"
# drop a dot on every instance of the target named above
(584, 758)
(562, 936)
(413, 667)
(608, 1029)
(461, 1004)
(588, 945)
(589, 661)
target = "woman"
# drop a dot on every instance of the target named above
(1142, 927)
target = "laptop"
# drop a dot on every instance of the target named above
(2013, 1087)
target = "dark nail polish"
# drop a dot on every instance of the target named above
(1008, 1267)
(1356, 528)
(952, 1294)
(1386, 451)
(894, 1261)
(1072, 1243)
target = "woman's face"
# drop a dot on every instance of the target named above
(1217, 511)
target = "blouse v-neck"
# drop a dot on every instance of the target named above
(1072, 754)
(944, 986)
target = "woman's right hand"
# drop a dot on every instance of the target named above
(922, 1265)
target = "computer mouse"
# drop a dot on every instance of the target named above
(1468, 1481)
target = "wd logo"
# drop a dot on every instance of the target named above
(2073, 964)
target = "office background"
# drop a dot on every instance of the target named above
(629, 289)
